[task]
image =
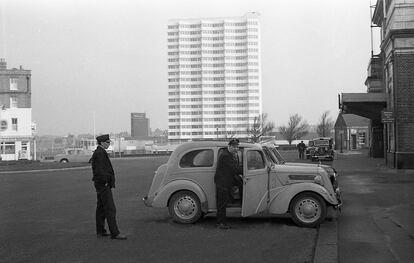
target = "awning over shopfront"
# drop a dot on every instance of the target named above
(368, 105)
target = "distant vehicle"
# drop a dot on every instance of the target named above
(309, 149)
(74, 155)
(322, 149)
(162, 149)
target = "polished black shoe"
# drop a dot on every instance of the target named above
(223, 226)
(119, 237)
(102, 235)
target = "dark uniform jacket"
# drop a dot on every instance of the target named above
(301, 147)
(102, 170)
(227, 170)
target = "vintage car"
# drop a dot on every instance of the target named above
(185, 184)
(322, 149)
(309, 149)
(74, 155)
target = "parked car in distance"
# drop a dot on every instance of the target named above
(310, 148)
(185, 184)
(74, 155)
(322, 149)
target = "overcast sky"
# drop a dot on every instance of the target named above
(110, 57)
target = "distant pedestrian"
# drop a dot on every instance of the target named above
(224, 178)
(104, 180)
(301, 148)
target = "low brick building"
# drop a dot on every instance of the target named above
(351, 132)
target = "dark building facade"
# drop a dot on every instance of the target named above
(389, 101)
(139, 125)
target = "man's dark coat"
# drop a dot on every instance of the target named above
(227, 169)
(102, 170)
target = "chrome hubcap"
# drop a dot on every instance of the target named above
(308, 210)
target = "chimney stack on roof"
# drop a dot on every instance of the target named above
(3, 64)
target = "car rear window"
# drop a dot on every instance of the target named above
(198, 158)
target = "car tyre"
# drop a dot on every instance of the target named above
(308, 209)
(64, 161)
(185, 207)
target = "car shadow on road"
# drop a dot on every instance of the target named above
(209, 221)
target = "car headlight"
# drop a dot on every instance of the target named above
(318, 179)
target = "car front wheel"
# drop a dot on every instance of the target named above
(308, 210)
(184, 207)
(64, 161)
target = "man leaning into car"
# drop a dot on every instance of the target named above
(227, 169)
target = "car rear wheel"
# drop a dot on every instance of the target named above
(184, 207)
(308, 210)
(64, 161)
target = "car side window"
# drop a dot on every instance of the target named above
(255, 160)
(198, 158)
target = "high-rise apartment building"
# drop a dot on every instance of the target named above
(214, 77)
(16, 138)
(139, 125)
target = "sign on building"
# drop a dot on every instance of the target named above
(387, 116)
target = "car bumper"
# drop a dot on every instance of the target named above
(323, 157)
(338, 197)
(146, 201)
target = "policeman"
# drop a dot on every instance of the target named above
(104, 180)
(227, 170)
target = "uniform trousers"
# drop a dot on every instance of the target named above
(222, 199)
(105, 209)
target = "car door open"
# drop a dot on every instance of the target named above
(255, 183)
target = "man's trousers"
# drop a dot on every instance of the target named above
(105, 209)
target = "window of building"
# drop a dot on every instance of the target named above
(3, 125)
(13, 84)
(8, 148)
(25, 145)
(13, 102)
(14, 124)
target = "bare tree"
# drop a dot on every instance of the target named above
(325, 125)
(295, 129)
(260, 127)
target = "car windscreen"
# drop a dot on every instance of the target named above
(321, 142)
(269, 155)
(278, 156)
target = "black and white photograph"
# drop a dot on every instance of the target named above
(189, 131)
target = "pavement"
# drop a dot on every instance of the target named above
(376, 222)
